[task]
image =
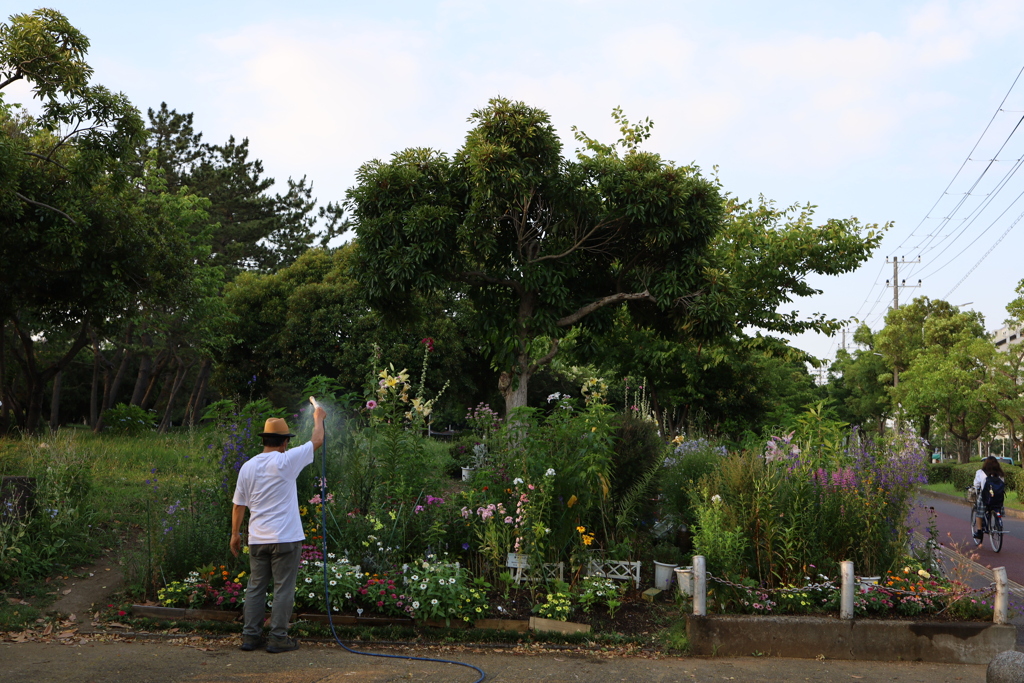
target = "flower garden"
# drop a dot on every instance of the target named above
(513, 517)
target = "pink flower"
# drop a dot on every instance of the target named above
(508, 520)
(529, 486)
(370, 405)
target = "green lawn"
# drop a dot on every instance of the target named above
(1012, 499)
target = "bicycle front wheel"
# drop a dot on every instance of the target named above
(995, 531)
(974, 524)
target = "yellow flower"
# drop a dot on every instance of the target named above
(581, 529)
(572, 501)
(593, 429)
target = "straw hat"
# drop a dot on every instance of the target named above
(276, 426)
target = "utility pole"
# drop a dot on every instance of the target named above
(844, 339)
(896, 284)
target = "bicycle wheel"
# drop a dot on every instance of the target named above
(974, 525)
(995, 531)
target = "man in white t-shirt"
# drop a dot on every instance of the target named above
(266, 486)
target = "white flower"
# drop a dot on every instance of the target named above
(441, 582)
(330, 556)
(452, 581)
(337, 576)
(415, 577)
(334, 583)
(309, 580)
(547, 530)
(517, 480)
(415, 605)
(554, 397)
(311, 595)
(348, 596)
(549, 473)
(423, 586)
(434, 601)
(716, 499)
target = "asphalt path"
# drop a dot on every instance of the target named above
(954, 520)
(201, 661)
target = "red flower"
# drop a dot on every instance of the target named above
(429, 343)
(121, 613)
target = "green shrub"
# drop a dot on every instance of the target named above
(940, 473)
(689, 462)
(129, 419)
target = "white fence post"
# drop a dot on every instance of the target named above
(846, 594)
(999, 615)
(700, 586)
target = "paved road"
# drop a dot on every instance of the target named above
(207, 662)
(954, 520)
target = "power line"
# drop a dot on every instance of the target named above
(985, 255)
(941, 195)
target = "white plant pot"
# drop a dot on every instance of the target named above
(467, 472)
(684, 579)
(663, 575)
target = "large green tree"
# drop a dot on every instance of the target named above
(539, 243)
(948, 375)
(311, 318)
(84, 234)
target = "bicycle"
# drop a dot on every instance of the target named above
(991, 521)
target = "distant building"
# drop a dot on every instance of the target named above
(1006, 337)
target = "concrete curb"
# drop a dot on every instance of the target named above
(802, 637)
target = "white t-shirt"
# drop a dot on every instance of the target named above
(979, 479)
(266, 485)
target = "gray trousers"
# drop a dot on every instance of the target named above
(280, 562)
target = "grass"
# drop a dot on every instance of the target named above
(1011, 500)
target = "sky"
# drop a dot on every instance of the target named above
(890, 112)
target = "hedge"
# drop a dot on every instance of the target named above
(961, 475)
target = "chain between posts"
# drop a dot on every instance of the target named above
(830, 585)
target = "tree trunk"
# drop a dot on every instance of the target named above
(179, 379)
(55, 402)
(150, 397)
(195, 399)
(513, 388)
(5, 403)
(94, 403)
(963, 449)
(145, 369)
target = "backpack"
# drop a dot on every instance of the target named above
(993, 491)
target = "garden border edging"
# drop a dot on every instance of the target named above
(965, 642)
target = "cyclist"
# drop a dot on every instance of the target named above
(990, 484)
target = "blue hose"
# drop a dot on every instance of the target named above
(327, 594)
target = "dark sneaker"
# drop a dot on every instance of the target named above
(250, 643)
(978, 537)
(286, 644)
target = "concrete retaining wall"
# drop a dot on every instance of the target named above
(810, 637)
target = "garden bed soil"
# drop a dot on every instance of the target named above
(634, 618)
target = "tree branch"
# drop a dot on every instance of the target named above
(40, 156)
(45, 206)
(580, 242)
(573, 318)
(546, 358)
(10, 80)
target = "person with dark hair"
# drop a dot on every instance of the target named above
(990, 484)
(266, 486)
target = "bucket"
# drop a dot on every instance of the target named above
(467, 472)
(684, 579)
(663, 575)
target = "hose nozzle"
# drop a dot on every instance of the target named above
(313, 401)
